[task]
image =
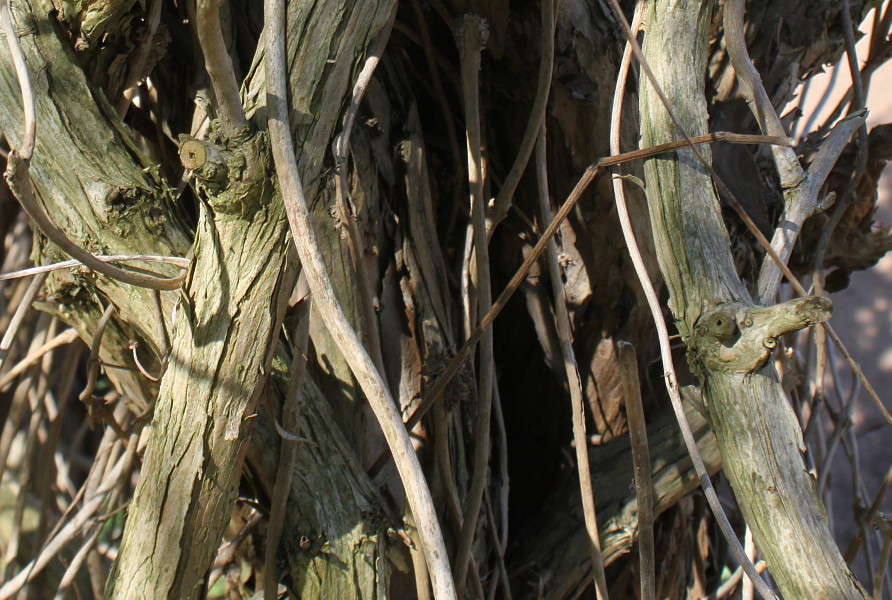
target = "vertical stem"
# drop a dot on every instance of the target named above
(571, 368)
(287, 454)
(471, 36)
(628, 365)
(370, 380)
(219, 67)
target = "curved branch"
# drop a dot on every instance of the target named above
(21, 72)
(20, 184)
(219, 67)
(383, 405)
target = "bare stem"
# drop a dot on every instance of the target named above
(140, 57)
(19, 316)
(505, 197)
(332, 313)
(571, 368)
(287, 454)
(183, 263)
(471, 36)
(644, 489)
(219, 67)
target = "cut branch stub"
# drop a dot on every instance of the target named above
(193, 153)
(738, 338)
(230, 174)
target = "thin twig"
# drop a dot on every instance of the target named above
(882, 523)
(437, 83)
(504, 199)
(867, 517)
(856, 107)
(730, 584)
(825, 97)
(749, 544)
(93, 363)
(419, 566)
(140, 57)
(77, 562)
(66, 337)
(650, 294)
(134, 345)
(502, 450)
(471, 36)
(371, 382)
(218, 65)
(19, 316)
(21, 72)
(287, 453)
(644, 489)
(228, 551)
(500, 551)
(183, 263)
(842, 421)
(574, 382)
(61, 539)
(848, 33)
(26, 476)
(161, 330)
(13, 421)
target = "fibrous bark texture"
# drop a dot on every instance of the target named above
(729, 339)
(393, 222)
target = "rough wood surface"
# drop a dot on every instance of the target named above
(226, 323)
(558, 549)
(114, 202)
(758, 434)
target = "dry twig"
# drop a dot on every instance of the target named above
(219, 67)
(471, 38)
(503, 202)
(19, 316)
(644, 491)
(287, 453)
(333, 315)
(571, 368)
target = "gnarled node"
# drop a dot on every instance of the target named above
(736, 337)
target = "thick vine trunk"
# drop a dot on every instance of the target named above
(395, 222)
(222, 344)
(108, 199)
(729, 338)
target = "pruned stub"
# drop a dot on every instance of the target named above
(231, 175)
(736, 337)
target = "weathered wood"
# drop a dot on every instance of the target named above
(108, 197)
(337, 542)
(233, 307)
(226, 325)
(557, 548)
(729, 339)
